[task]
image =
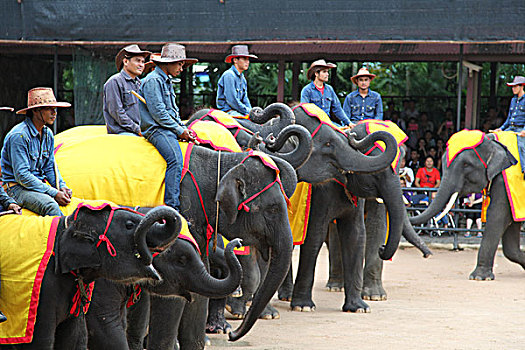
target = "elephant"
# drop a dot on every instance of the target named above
(182, 272)
(76, 250)
(471, 171)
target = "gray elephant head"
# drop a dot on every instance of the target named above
(112, 243)
(270, 120)
(469, 172)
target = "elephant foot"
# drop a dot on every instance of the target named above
(482, 274)
(356, 305)
(373, 291)
(217, 324)
(302, 305)
(335, 285)
(207, 342)
(236, 307)
(269, 313)
(285, 293)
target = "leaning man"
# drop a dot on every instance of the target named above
(29, 172)
(160, 121)
(232, 89)
(121, 107)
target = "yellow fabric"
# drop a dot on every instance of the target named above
(373, 125)
(514, 183)
(462, 140)
(70, 208)
(226, 119)
(313, 110)
(72, 135)
(299, 212)
(216, 135)
(244, 250)
(24, 242)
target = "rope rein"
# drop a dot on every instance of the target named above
(217, 210)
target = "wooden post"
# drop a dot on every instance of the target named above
(296, 69)
(280, 83)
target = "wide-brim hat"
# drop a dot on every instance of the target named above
(150, 65)
(42, 97)
(8, 109)
(363, 72)
(239, 51)
(172, 52)
(518, 80)
(318, 64)
(131, 50)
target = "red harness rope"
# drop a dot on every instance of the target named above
(354, 198)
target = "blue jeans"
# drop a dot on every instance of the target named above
(40, 203)
(521, 146)
(166, 142)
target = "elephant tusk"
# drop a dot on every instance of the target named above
(448, 207)
(380, 200)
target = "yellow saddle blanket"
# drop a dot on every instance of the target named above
(373, 125)
(27, 245)
(514, 183)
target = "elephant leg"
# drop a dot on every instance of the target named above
(375, 224)
(352, 236)
(286, 289)
(72, 334)
(304, 281)
(193, 324)
(335, 280)
(165, 317)
(216, 323)
(269, 312)
(511, 244)
(138, 316)
(250, 282)
(498, 219)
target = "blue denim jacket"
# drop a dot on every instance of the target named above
(161, 110)
(121, 108)
(28, 161)
(359, 108)
(516, 115)
(232, 92)
(328, 101)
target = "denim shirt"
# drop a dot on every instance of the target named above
(516, 114)
(161, 110)
(121, 108)
(359, 108)
(232, 92)
(29, 161)
(5, 200)
(328, 101)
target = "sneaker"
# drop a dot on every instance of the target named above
(480, 234)
(467, 235)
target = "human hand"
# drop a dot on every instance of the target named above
(62, 198)
(187, 135)
(495, 130)
(16, 208)
(67, 191)
(521, 133)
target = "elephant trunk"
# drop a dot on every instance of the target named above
(356, 162)
(444, 194)
(168, 234)
(260, 116)
(413, 238)
(280, 260)
(204, 284)
(302, 147)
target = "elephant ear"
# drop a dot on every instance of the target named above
(76, 247)
(231, 191)
(500, 160)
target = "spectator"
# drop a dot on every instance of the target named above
(473, 201)
(414, 162)
(413, 133)
(394, 117)
(429, 138)
(428, 176)
(446, 129)
(437, 161)
(390, 108)
(411, 111)
(407, 195)
(493, 117)
(422, 148)
(425, 124)
(404, 110)
(406, 173)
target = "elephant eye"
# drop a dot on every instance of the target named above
(327, 144)
(130, 224)
(183, 260)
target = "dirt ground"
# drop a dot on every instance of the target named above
(431, 305)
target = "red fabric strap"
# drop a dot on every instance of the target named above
(81, 300)
(482, 162)
(354, 198)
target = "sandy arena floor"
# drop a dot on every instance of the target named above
(431, 305)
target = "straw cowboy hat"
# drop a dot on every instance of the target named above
(42, 97)
(363, 72)
(130, 51)
(9, 109)
(318, 64)
(150, 65)
(518, 80)
(239, 51)
(172, 52)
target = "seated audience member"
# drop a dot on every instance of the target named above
(429, 138)
(473, 201)
(390, 108)
(447, 128)
(407, 195)
(428, 176)
(412, 133)
(394, 117)
(414, 162)
(24, 173)
(411, 111)
(422, 148)
(406, 172)
(425, 124)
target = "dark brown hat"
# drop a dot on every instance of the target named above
(172, 52)
(239, 51)
(42, 97)
(150, 65)
(131, 50)
(318, 64)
